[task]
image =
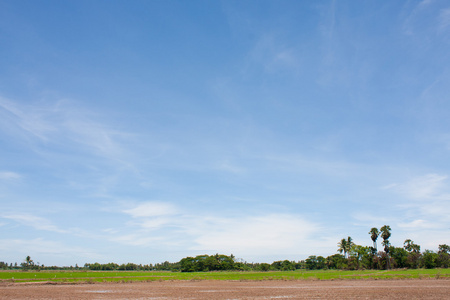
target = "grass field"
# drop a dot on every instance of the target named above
(105, 276)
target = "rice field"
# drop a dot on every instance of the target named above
(114, 276)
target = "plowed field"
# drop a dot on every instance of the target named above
(301, 289)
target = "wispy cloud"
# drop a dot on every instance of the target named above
(36, 222)
(419, 224)
(273, 55)
(26, 120)
(425, 207)
(61, 124)
(64, 133)
(418, 208)
(229, 166)
(47, 249)
(424, 187)
(327, 26)
(411, 17)
(444, 20)
(137, 239)
(264, 234)
(151, 209)
(246, 234)
(6, 175)
(369, 220)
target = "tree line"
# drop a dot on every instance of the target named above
(408, 256)
(350, 257)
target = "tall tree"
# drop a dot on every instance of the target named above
(374, 233)
(386, 234)
(343, 247)
(444, 248)
(410, 246)
(350, 244)
(28, 263)
(443, 260)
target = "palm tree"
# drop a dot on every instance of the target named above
(374, 233)
(343, 247)
(349, 244)
(444, 248)
(28, 262)
(386, 234)
(410, 246)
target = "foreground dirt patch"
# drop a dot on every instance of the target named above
(337, 289)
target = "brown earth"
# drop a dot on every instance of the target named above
(302, 289)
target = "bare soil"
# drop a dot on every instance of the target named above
(302, 289)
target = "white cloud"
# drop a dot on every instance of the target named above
(61, 123)
(327, 26)
(410, 21)
(62, 133)
(136, 239)
(369, 219)
(227, 166)
(273, 55)
(5, 175)
(431, 199)
(299, 163)
(263, 234)
(45, 250)
(444, 19)
(418, 224)
(423, 187)
(26, 120)
(95, 136)
(34, 221)
(151, 209)
(155, 223)
(266, 234)
(425, 209)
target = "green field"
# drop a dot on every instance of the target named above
(103, 276)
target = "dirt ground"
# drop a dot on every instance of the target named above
(335, 289)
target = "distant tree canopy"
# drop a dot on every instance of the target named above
(218, 262)
(354, 257)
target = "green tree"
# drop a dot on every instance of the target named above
(188, 264)
(3, 265)
(444, 248)
(386, 234)
(443, 260)
(315, 262)
(362, 256)
(429, 259)
(321, 262)
(264, 267)
(410, 246)
(345, 245)
(400, 256)
(287, 265)
(342, 247)
(414, 255)
(374, 233)
(28, 263)
(205, 262)
(336, 261)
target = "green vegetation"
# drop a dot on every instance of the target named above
(118, 276)
(356, 257)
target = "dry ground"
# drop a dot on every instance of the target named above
(302, 289)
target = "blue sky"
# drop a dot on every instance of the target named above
(145, 131)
